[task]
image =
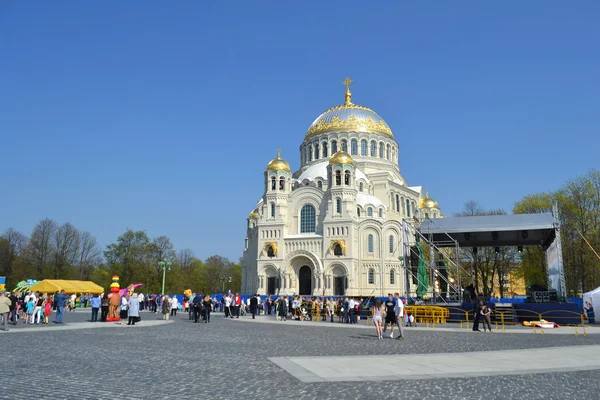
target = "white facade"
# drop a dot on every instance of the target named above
(334, 226)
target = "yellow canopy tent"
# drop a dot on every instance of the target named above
(54, 285)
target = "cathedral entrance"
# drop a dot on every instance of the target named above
(305, 280)
(339, 284)
(271, 284)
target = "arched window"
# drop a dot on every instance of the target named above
(345, 145)
(316, 151)
(370, 244)
(281, 183)
(270, 252)
(381, 213)
(338, 205)
(347, 178)
(363, 148)
(338, 177)
(391, 244)
(272, 210)
(357, 212)
(398, 202)
(426, 215)
(337, 250)
(387, 152)
(392, 277)
(354, 147)
(310, 154)
(273, 183)
(360, 187)
(373, 148)
(369, 212)
(324, 146)
(407, 207)
(381, 150)
(434, 214)
(371, 276)
(307, 219)
(333, 147)
(320, 185)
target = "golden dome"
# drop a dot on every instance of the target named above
(349, 117)
(253, 215)
(341, 157)
(278, 164)
(428, 202)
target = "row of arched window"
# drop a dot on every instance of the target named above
(337, 231)
(403, 205)
(370, 212)
(274, 183)
(371, 276)
(271, 233)
(371, 243)
(314, 151)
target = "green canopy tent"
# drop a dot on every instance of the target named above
(422, 277)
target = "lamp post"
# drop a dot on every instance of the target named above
(223, 280)
(164, 264)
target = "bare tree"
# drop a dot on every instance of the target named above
(65, 243)
(185, 258)
(88, 256)
(39, 245)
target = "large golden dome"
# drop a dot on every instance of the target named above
(278, 164)
(349, 117)
(341, 157)
(428, 202)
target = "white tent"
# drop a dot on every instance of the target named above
(593, 297)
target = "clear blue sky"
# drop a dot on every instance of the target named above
(162, 116)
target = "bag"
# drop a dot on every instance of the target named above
(138, 319)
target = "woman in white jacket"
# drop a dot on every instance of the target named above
(174, 305)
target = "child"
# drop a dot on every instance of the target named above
(47, 310)
(411, 319)
(29, 311)
(485, 314)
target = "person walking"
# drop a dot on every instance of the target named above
(60, 299)
(96, 302)
(5, 305)
(14, 301)
(390, 315)
(378, 313)
(123, 315)
(254, 306)
(207, 305)
(476, 313)
(165, 307)
(133, 306)
(399, 315)
(485, 315)
(197, 302)
(174, 305)
(104, 304)
(37, 311)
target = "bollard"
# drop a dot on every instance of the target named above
(461, 325)
(534, 329)
(542, 331)
(584, 331)
(502, 320)
(576, 331)
(496, 326)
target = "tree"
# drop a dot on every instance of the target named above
(186, 258)
(12, 243)
(89, 256)
(40, 248)
(533, 258)
(65, 248)
(485, 263)
(130, 257)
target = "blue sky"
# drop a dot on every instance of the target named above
(162, 116)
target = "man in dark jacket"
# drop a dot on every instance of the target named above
(13, 307)
(476, 313)
(253, 305)
(197, 305)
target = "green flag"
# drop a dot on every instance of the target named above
(423, 278)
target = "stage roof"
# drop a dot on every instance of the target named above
(491, 230)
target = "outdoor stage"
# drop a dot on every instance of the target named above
(561, 313)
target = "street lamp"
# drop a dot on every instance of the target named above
(225, 279)
(164, 264)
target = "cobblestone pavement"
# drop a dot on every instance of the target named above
(227, 359)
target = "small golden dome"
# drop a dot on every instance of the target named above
(341, 157)
(253, 215)
(278, 164)
(428, 202)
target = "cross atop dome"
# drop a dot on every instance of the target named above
(347, 82)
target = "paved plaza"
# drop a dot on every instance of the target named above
(266, 359)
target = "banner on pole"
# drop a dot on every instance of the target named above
(2, 283)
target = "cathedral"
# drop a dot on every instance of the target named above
(334, 226)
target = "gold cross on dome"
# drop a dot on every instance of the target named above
(347, 82)
(278, 152)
